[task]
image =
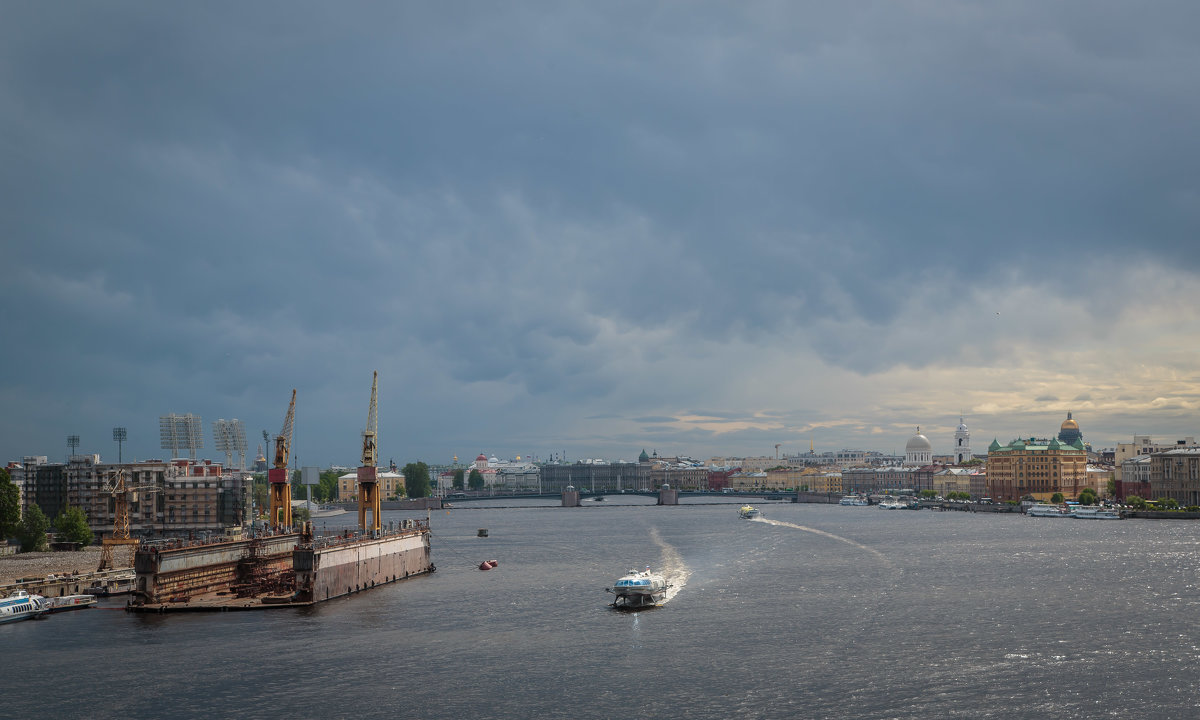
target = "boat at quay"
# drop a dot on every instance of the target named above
(1094, 513)
(854, 500)
(22, 606)
(69, 602)
(1044, 510)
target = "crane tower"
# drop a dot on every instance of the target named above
(122, 493)
(277, 477)
(368, 482)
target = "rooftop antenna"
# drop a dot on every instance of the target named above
(120, 435)
(72, 443)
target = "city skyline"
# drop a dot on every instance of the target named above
(977, 446)
(592, 229)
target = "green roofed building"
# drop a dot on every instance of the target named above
(1037, 468)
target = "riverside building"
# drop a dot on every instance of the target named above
(1176, 474)
(1037, 468)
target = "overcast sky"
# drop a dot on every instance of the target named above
(593, 228)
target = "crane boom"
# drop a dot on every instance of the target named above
(368, 452)
(369, 500)
(281, 489)
(283, 441)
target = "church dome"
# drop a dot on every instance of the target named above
(481, 457)
(918, 442)
(1069, 432)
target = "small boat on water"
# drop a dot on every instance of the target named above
(69, 602)
(853, 500)
(747, 512)
(639, 589)
(1044, 510)
(22, 606)
(1095, 513)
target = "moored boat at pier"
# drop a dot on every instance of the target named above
(69, 602)
(1094, 513)
(21, 606)
(1044, 510)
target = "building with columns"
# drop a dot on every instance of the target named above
(1037, 468)
(918, 451)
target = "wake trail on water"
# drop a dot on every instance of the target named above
(815, 531)
(674, 569)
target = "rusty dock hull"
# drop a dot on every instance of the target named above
(280, 571)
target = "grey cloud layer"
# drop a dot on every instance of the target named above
(562, 211)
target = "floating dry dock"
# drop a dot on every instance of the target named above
(273, 571)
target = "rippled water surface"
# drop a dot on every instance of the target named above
(812, 611)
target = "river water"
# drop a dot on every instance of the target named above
(812, 611)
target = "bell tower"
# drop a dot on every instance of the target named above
(962, 443)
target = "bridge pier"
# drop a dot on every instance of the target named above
(668, 496)
(570, 497)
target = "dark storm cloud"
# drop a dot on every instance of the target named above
(531, 210)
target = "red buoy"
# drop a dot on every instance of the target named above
(493, 563)
(485, 565)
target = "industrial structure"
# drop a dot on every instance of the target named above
(368, 482)
(277, 477)
(229, 437)
(180, 432)
(122, 493)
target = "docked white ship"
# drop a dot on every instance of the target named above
(1044, 510)
(21, 606)
(1094, 513)
(855, 500)
(69, 602)
(639, 589)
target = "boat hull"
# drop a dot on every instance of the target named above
(70, 602)
(21, 606)
(638, 590)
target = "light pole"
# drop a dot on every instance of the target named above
(119, 435)
(73, 443)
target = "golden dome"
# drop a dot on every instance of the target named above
(1069, 424)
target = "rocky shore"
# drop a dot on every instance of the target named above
(41, 564)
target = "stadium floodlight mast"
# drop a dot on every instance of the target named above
(180, 432)
(120, 436)
(238, 441)
(73, 443)
(221, 439)
(229, 437)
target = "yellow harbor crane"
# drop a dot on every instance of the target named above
(368, 482)
(277, 477)
(123, 493)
